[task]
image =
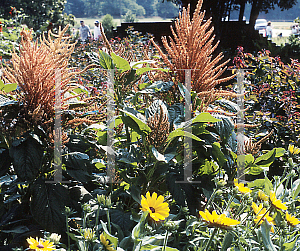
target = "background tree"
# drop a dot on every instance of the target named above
(219, 9)
(37, 12)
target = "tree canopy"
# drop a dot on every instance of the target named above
(219, 9)
(37, 12)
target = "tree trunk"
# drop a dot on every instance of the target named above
(242, 10)
(256, 8)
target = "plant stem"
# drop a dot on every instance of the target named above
(165, 241)
(210, 239)
(229, 202)
(108, 220)
(67, 225)
(97, 215)
(211, 198)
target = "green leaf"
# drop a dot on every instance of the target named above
(279, 152)
(157, 248)
(105, 60)
(113, 239)
(289, 246)
(297, 190)
(27, 155)
(158, 86)
(78, 166)
(205, 117)
(47, 203)
(181, 133)
(1, 84)
(161, 157)
(120, 62)
(245, 160)
(137, 229)
(266, 159)
(265, 228)
(10, 87)
(102, 137)
(254, 170)
(135, 123)
(227, 241)
(217, 154)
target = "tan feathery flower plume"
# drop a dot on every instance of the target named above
(192, 48)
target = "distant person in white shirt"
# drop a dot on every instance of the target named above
(269, 30)
(97, 32)
(84, 32)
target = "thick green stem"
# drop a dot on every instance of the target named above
(210, 239)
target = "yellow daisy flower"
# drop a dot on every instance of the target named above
(157, 208)
(262, 196)
(241, 187)
(291, 220)
(105, 243)
(40, 245)
(277, 203)
(293, 149)
(218, 220)
(260, 211)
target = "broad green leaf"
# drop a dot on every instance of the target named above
(138, 125)
(142, 70)
(244, 160)
(10, 87)
(181, 133)
(120, 62)
(78, 166)
(27, 155)
(266, 159)
(279, 152)
(205, 117)
(161, 157)
(218, 154)
(105, 60)
(47, 203)
(254, 170)
(265, 228)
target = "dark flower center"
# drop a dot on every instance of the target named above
(40, 246)
(152, 209)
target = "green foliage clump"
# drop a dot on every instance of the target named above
(108, 24)
(130, 17)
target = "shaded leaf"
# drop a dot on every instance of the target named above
(47, 204)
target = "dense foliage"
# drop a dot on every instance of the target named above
(136, 170)
(118, 8)
(37, 13)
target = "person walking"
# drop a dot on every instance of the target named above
(84, 32)
(269, 30)
(97, 32)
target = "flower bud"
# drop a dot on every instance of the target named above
(55, 238)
